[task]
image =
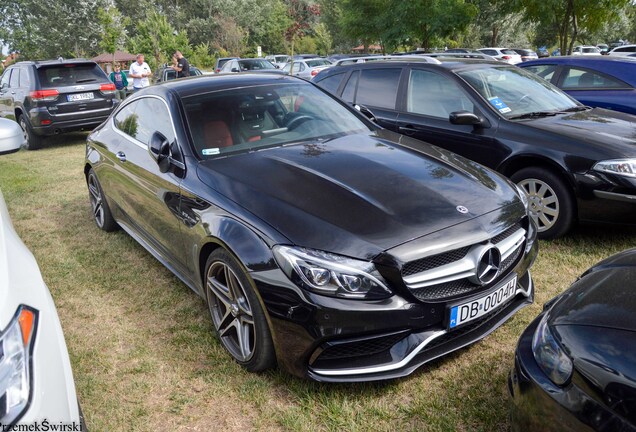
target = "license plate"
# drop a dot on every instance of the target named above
(79, 97)
(472, 310)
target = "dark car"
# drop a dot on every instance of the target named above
(345, 251)
(604, 82)
(576, 163)
(249, 65)
(52, 97)
(575, 365)
(166, 73)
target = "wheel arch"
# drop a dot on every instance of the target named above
(517, 163)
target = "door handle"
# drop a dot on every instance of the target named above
(407, 130)
(121, 156)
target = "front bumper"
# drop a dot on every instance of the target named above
(539, 404)
(606, 198)
(336, 340)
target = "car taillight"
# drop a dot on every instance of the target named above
(506, 57)
(218, 70)
(44, 95)
(107, 88)
(314, 72)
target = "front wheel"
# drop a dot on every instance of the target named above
(550, 201)
(237, 314)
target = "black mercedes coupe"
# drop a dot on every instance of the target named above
(340, 250)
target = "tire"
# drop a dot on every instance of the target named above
(234, 305)
(101, 212)
(33, 141)
(550, 201)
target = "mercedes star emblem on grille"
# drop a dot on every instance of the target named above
(462, 209)
(489, 265)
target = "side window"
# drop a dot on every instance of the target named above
(378, 87)
(153, 116)
(349, 91)
(15, 78)
(25, 80)
(127, 121)
(331, 83)
(435, 95)
(490, 52)
(544, 71)
(585, 79)
(4, 81)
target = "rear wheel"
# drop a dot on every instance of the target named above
(33, 141)
(101, 212)
(551, 204)
(237, 314)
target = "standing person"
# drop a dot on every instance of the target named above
(183, 65)
(120, 81)
(140, 71)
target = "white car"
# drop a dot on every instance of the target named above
(279, 60)
(502, 54)
(586, 50)
(36, 380)
(623, 50)
(308, 68)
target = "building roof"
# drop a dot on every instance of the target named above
(120, 56)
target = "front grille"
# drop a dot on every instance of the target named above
(434, 261)
(414, 272)
(362, 348)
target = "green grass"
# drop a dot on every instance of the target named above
(143, 353)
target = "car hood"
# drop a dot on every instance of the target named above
(603, 297)
(357, 195)
(596, 126)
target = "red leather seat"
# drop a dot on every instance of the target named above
(217, 134)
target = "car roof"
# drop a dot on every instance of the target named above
(40, 63)
(192, 86)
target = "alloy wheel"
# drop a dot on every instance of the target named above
(543, 203)
(231, 312)
(97, 203)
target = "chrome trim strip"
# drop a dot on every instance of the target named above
(615, 196)
(416, 351)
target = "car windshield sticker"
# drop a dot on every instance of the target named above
(210, 151)
(499, 104)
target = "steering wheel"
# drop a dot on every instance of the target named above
(296, 121)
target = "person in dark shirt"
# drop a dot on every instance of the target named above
(181, 66)
(120, 81)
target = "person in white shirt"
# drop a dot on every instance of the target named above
(140, 71)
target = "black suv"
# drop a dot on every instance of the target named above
(55, 96)
(574, 162)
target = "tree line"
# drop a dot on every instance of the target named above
(206, 29)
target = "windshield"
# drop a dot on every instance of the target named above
(591, 50)
(509, 52)
(318, 62)
(241, 120)
(249, 65)
(514, 92)
(281, 59)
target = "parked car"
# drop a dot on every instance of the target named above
(604, 82)
(576, 163)
(604, 48)
(252, 188)
(249, 65)
(543, 52)
(503, 54)
(623, 50)
(166, 73)
(335, 57)
(278, 60)
(308, 68)
(585, 50)
(220, 62)
(526, 54)
(460, 51)
(305, 56)
(575, 366)
(56, 96)
(36, 380)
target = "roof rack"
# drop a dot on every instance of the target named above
(422, 58)
(463, 55)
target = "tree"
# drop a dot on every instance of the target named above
(365, 21)
(113, 29)
(301, 15)
(157, 39)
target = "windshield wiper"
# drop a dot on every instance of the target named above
(577, 109)
(534, 114)
(85, 80)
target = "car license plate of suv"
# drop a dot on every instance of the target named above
(79, 96)
(465, 312)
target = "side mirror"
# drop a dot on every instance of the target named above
(161, 151)
(11, 136)
(464, 118)
(366, 111)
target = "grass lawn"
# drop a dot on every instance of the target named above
(145, 359)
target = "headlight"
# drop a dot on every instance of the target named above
(549, 355)
(15, 370)
(331, 275)
(523, 196)
(624, 167)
